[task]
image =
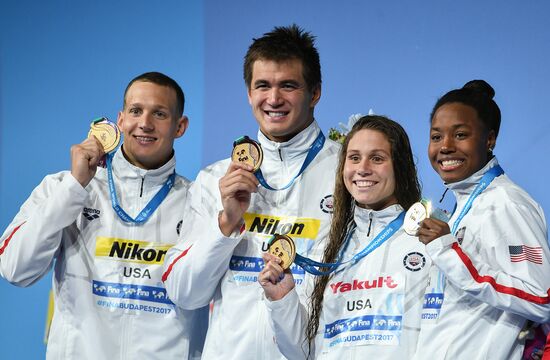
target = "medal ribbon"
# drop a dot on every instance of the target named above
(149, 209)
(313, 151)
(489, 176)
(311, 265)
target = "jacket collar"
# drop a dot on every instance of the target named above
(125, 171)
(298, 146)
(380, 218)
(466, 186)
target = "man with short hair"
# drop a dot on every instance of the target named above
(108, 231)
(234, 211)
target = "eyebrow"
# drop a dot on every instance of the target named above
(370, 152)
(156, 106)
(287, 81)
(456, 126)
(291, 81)
(261, 82)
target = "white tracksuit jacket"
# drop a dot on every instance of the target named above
(371, 310)
(110, 302)
(488, 291)
(207, 265)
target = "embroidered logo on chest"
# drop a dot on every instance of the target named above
(414, 261)
(91, 214)
(327, 204)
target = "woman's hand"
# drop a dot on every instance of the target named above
(275, 281)
(431, 229)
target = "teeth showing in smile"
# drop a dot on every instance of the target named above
(364, 183)
(451, 163)
(145, 139)
(276, 113)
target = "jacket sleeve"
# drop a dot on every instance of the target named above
(195, 266)
(520, 287)
(32, 240)
(288, 318)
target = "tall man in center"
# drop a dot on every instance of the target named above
(233, 214)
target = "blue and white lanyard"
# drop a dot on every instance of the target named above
(149, 209)
(489, 176)
(311, 266)
(313, 151)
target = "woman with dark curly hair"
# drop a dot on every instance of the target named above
(492, 262)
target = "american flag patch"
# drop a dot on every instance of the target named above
(523, 252)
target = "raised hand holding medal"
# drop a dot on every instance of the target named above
(420, 211)
(415, 215)
(238, 183)
(283, 247)
(425, 222)
(89, 154)
(106, 132)
(247, 151)
(274, 279)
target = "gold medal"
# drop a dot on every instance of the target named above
(283, 247)
(414, 216)
(248, 151)
(106, 132)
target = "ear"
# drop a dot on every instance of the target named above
(120, 119)
(248, 92)
(491, 141)
(315, 96)
(182, 124)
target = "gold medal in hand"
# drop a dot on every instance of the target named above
(283, 247)
(106, 132)
(247, 151)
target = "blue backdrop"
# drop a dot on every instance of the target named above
(63, 63)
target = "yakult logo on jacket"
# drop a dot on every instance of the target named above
(363, 284)
(131, 250)
(291, 225)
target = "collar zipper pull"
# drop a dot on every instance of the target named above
(443, 196)
(370, 223)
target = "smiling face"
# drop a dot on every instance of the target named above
(459, 142)
(368, 170)
(281, 102)
(150, 124)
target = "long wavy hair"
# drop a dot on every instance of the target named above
(407, 191)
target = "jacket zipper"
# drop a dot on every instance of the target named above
(141, 188)
(370, 223)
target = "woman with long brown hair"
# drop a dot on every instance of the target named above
(371, 303)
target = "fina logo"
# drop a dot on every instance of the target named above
(327, 204)
(414, 261)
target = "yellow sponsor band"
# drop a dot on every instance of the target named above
(307, 228)
(135, 251)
